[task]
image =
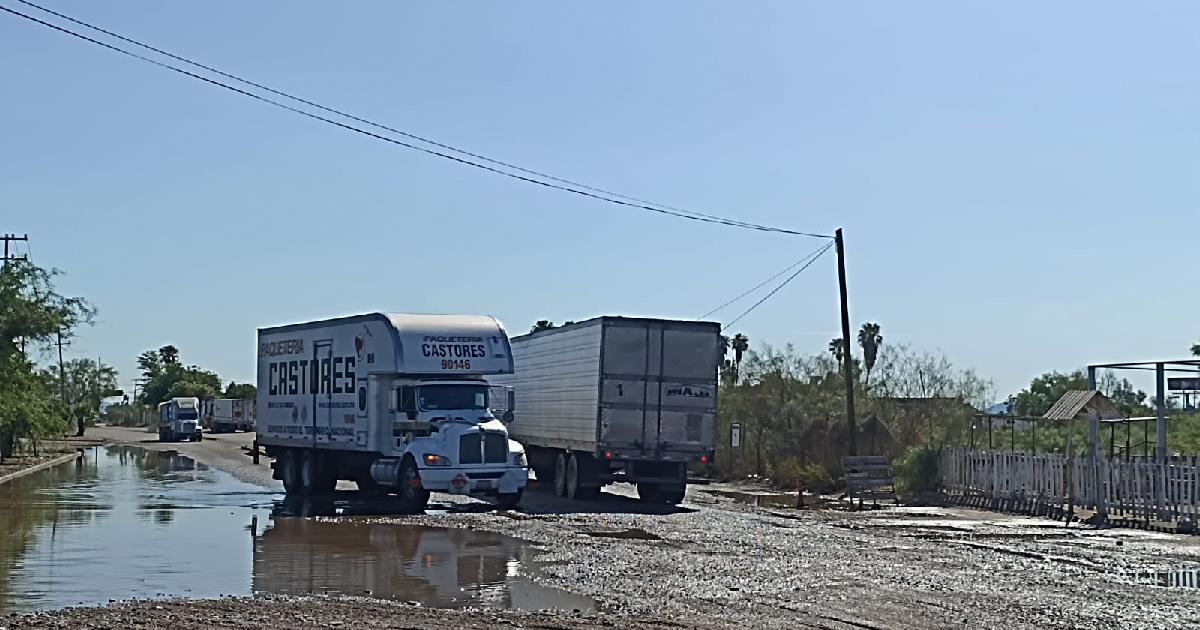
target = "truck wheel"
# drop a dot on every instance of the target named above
(315, 477)
(414, 499)
(509, 501)
(560, 475)
(289, 472)
(367, 484)
(656, 493)
(648, 492)
(162, 435)
(582, 481)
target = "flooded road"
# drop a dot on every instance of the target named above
(124, 522)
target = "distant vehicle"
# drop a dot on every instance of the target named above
(226, 415)
(617, 399)
(179, 419)
(395, 403)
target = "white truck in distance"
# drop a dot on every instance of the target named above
(179, 419)
(226, 415)
(395, 403)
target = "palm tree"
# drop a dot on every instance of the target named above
(837, 349)
(1196, 349)
(870, 340)
(724, 345)
(740, 344)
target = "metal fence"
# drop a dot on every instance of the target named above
(1101, 489)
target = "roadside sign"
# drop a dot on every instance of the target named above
(735, 435)
(1183, 384)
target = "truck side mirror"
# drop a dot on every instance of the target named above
(508, 417)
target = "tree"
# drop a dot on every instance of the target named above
(1196, 349)
(243, 391)
(166, 378)
(542, 324)
(837, 348)
(87, 383)
(32, 313)
(870, 340)
(740, 344)
(1045, 390)
(169, 355)
(724, 345)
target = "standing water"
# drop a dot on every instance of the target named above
(125, 522)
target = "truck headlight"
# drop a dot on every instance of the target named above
(520, 460)
(435, 460)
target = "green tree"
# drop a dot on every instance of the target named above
(1196, 349)
(870, 340)
(167, 378)
(1045, 390)
(542, 324)
(837, 347)
(32, 315)
(87, 383)
(740, 344)
(244, 391)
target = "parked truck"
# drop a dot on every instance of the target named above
(395, 403)
(617, 399)
(226, 415)
(179, 419)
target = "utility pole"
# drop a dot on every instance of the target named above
(850, 421)
(12, 238)
(62, 378)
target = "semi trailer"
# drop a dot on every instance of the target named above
(617, 399)
(396, 403)
(226, 415)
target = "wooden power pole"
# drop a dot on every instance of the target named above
(851, 424)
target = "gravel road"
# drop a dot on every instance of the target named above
(717, 562)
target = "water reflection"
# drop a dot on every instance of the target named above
(448, 568)
(127, 522)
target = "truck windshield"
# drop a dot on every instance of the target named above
(436, 397)
(186, 415)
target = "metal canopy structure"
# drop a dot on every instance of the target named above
(1160, 368)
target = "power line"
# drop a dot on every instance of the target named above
(781, 285)
(816, 252)
(562, 185)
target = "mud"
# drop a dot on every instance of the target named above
(718, 561)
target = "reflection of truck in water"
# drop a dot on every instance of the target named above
(399, 403)
(448, 568)
(617, 399)
(226, 415)
(179, 419)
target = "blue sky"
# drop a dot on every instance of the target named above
(1016, 181)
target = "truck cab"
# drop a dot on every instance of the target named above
(179, 419)
(397, 403)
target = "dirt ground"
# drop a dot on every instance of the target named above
(717, 561)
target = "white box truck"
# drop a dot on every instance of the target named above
(226, 415)
(617, 399)
(395, 403)
(179, 419)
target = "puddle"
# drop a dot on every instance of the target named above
(628, 534)
(758, 499)
(125, 522)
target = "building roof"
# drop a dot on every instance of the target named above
(1081, 403)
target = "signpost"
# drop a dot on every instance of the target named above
(735, 435)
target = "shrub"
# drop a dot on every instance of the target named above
(918, 470)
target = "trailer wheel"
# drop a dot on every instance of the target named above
(572, 482)
(314, 476)
(289, 472)
(413, 498)
(560, 475)
(661, 493)
(582, 474)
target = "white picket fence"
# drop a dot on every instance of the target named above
(1107, 490)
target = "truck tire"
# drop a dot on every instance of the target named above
(509, 501)
(582, 475)
(560, 475)
(162, 435)
(289, 473)
(367, 484)
(314, 476)
(413, 499)
(661, 493)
